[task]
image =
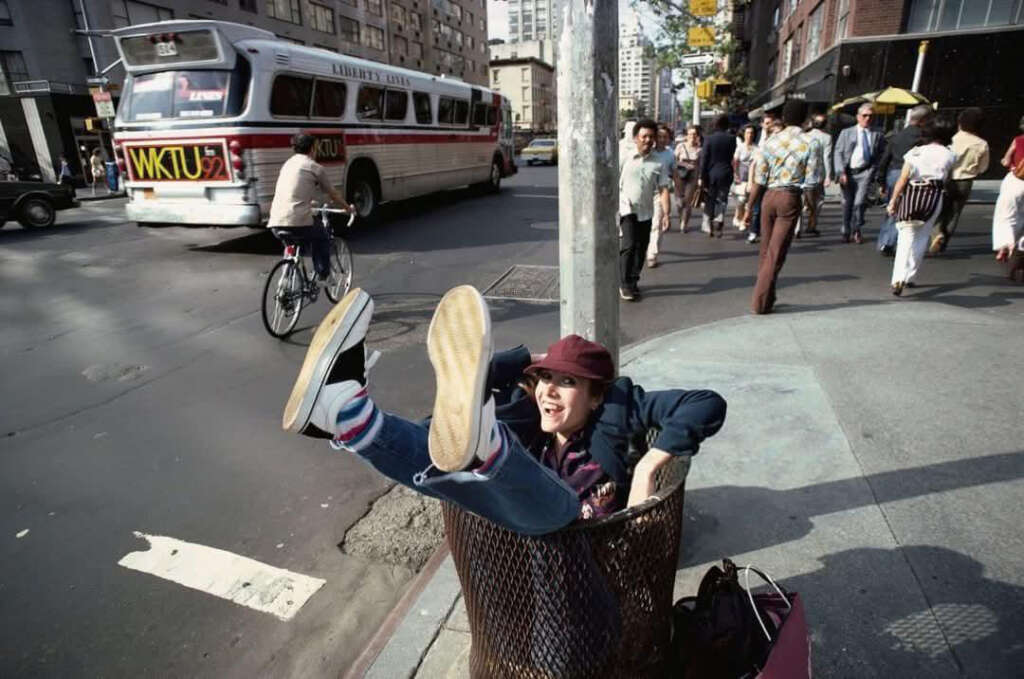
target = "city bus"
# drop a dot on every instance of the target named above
(209, 107)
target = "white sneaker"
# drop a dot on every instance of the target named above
(335, 364)
(752, 238)
(460, 346)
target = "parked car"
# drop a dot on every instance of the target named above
(541, 151)
(34, 204)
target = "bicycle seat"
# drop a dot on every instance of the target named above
(287, 238)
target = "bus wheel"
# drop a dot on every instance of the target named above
(363, 194)
(493, 183)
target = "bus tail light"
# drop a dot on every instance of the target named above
(237, 161)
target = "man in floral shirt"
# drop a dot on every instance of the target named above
(788, 159)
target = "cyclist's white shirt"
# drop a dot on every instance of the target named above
(301, 180)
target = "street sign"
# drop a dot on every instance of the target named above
(704, 59)
(703, 8)
(104, 105)
(701, 36)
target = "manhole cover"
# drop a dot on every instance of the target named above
(527, 283)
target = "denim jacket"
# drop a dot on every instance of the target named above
(684, 418)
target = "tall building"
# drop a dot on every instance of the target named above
(665, 106)
(539, 49)
(636, 69)
(44, 98)
(825, 51)
(533, 20)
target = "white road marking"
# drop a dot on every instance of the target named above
(21, 533)
(229, 576)
(534, 195)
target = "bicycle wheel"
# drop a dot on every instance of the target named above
(340, 279)
(282, 298)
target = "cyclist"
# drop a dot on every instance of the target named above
(291, 214)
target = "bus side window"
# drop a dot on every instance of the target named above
(445, 111)
(396, 103)
(492, 116)
(328, 99)
(370, 103)
(461, 112)
(421, 102)
(480, 114)
(290, 96)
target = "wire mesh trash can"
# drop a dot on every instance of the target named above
(591, 600)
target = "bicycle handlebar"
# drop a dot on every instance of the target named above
(323, 210)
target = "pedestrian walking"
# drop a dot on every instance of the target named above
(532, 442)
(786, 160)
(770, 124)
(642, 180)
(972, 158)
(716, 175)
(687, 156)
(1008, 218)
(858, 151)
(98, 169)
(890, 167)
(742, 159)
(64, 176)
(916, 201)
(666, 157)
(814, 187)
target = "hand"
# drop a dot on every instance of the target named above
(891, 207)
(1005, 162)
(842, 179)
(664, 223)
(748, 216)
(882, 191)
(828, 182)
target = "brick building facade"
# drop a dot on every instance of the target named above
(824, 51)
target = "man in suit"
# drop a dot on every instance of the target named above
(716, 174)
(857, 153)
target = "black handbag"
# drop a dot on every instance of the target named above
(919, 200)
(715, 634)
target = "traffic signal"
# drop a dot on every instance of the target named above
(704, 89)
(94, 124)
(723, 88)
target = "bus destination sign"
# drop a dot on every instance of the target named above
(179, 162)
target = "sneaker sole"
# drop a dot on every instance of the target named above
(459, 348)
(329, 340)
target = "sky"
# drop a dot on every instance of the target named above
(497, 18)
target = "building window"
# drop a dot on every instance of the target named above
(373, 37)
(494, 76)
(321, 18)
(373, 7)
(947, 15)
(284, 10)
(843, 20)
(787, 58)
(814, 32)
(349, 29)
(129, 13)
(352, 3)
(797, 47)
(415, 21)
(5, 14)
(400, 45)
(398, 16)
(247, 5)
(416, 50)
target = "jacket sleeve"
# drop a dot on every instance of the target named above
(507, 367)
(883, 165)
(839, 155)
(685, 418)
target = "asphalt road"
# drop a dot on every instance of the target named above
(141, 393)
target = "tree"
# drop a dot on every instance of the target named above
(672, 44)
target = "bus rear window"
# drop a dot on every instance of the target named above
(179, 94)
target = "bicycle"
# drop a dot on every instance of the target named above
(290, 284)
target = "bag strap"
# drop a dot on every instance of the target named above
(750, 596)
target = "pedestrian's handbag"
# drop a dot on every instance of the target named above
(700, 196)
(919, 200)
(727, 632)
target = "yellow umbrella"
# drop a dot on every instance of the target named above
(893, 96)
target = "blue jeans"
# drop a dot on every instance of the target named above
(516, 492)
(755, 213)
(887, 232)
(313, 239)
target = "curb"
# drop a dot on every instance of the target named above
(89, 199)
(397, 616)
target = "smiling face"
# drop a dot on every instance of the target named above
(565, 402)
(644, 140)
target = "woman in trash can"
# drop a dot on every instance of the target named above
(530, 443)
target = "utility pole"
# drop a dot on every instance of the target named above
(922, 49)
(588, 171)
(696, 99)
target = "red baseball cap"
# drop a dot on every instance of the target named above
(574, 355)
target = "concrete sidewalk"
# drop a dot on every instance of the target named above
(871, 461)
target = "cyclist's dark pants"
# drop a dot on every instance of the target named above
(316, 237)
